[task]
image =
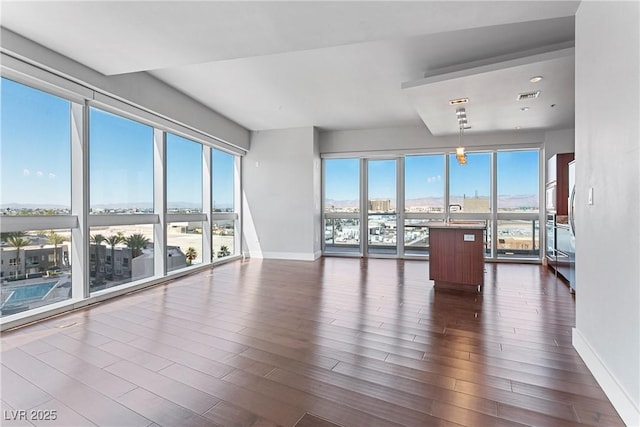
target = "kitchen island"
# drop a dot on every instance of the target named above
(456, 254)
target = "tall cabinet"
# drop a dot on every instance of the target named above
(558, 184)
(557, 213)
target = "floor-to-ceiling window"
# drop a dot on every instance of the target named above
(120, 184)
(497, 187)
(342, 206)
(382, 220)
(470, 191)
(185, 220)
(35, 175)
(424, 185)
(102, 186)
(518, 204)
(225, 232)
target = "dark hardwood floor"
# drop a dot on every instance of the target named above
(350, 342)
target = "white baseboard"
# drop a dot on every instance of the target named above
(618, 396)
(293, 256)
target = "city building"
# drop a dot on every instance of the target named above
(142, 266)
(269, 95)
(380, 205)
(33, 261)
(475, 204)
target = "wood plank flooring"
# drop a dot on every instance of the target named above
(353, 342)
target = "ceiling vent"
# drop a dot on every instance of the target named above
(528, 95)
(458, 101)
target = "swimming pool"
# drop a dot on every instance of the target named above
(26, 293)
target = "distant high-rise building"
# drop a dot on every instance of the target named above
(380, 205)
(476, 204)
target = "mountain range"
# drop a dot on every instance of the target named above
(508, 202)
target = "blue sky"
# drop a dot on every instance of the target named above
(35, 156)
(222, 164)
(424, 176)
(184, 171)
(35, 160)
(120, 161)
(35, 152)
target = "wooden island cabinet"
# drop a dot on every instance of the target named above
(456, 254)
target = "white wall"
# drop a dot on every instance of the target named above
(559, 141)
(140, 89)
(281, 195)
(607, 333)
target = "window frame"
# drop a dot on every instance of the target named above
(491, 218)
(234, 216)
(83, 98)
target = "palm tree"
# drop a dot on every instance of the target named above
(137, 242)
(5, 236)
(18, 241)
(191, 254)
(224, 251)
(55, 239)
(97, 240)
(113, 240)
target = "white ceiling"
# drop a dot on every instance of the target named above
(334, 65)
(493, 90)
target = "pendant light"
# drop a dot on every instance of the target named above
(461, 114)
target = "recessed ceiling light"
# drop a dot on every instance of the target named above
(535, 79)
(524, 109)
(517, 127)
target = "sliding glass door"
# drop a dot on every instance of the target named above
(342, 206)
(382, 219)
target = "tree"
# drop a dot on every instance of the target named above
(17, 241)
(112, 241)
(137, 242)
(224, 251)
(191, 254)
(55, 239)
(5, 236)
(97, 240)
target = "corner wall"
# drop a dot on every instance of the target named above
(607, 333)
(559, 141)
(281, 195)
